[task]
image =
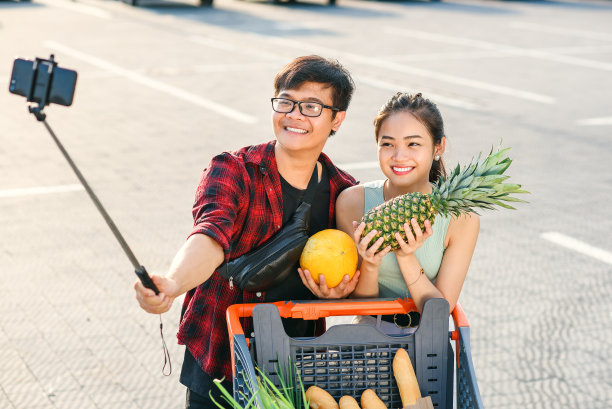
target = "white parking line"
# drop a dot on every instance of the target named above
(358, 165)
(154, 84)
(40, 190)
(579, 246)
(226, 46)
(564, 31)
(595, 121)
(438, 76)
(502, 48)
(76, 7)
(457, 103)
(581, 49)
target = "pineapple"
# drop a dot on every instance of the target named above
(479, 185)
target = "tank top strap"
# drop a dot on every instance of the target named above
(373, 194)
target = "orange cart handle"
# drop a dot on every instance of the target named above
(316, 310)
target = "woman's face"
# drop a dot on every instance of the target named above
(405, 152)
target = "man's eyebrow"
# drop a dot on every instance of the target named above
(309, 99)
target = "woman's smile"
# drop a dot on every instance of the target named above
(402, 170)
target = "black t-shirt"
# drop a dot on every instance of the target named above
(292, 197)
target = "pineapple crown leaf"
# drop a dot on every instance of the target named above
(479, 185)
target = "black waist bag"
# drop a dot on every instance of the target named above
(272, 262)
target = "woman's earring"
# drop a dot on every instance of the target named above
(437, 157)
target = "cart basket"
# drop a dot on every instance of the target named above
(349, 358)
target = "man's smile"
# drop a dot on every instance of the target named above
(297, 130)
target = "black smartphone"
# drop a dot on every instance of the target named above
(145, 279)
(31, 79)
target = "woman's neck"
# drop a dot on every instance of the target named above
(390, 190)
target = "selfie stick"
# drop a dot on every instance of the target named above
(140, 270)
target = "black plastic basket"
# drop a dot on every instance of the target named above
(348, 359)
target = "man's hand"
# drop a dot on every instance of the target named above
(160, 303)
(321, 290)
(194, 263)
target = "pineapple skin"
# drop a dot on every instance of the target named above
(389, 217)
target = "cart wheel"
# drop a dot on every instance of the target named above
(331, 2)
(206, 3)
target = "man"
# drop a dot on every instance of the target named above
(244, 198)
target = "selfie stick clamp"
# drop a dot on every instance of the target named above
(47, 76)
(37, 111)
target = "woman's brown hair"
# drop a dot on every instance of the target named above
(426, 112)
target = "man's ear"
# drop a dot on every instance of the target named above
(337, 121)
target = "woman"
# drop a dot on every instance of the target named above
(433, 263)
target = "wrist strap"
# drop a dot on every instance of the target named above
(165, 349)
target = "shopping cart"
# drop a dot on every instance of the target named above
(350, 358)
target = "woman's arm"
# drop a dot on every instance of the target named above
(349, 210)
(461, 235)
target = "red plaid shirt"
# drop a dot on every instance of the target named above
(239, 203)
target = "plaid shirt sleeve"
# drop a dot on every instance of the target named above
(218, 200)
(230, 207)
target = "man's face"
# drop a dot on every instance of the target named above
(299, 133)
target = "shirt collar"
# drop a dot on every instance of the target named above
(262, 155)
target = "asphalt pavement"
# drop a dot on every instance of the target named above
(164, 86)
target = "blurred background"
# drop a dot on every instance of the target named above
(164, 85)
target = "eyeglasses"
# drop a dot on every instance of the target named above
(307, 108)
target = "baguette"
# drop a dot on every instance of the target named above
(369, 400)
(320, 399)
(348, 402)
(406, 379)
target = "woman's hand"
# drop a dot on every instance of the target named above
(369, 255)
(342, 290)
(415, 240)
(152, 303)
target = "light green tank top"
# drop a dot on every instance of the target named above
(391, 283)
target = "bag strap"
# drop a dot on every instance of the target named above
(312, 186)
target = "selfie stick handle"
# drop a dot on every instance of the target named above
(140, 269)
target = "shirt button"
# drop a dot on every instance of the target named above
(258, 294)
(278, 226)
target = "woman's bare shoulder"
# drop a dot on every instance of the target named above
(464, 225)
(351, 198)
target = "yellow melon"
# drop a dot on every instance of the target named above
(331, 253)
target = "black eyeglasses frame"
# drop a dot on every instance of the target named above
(299, 104)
